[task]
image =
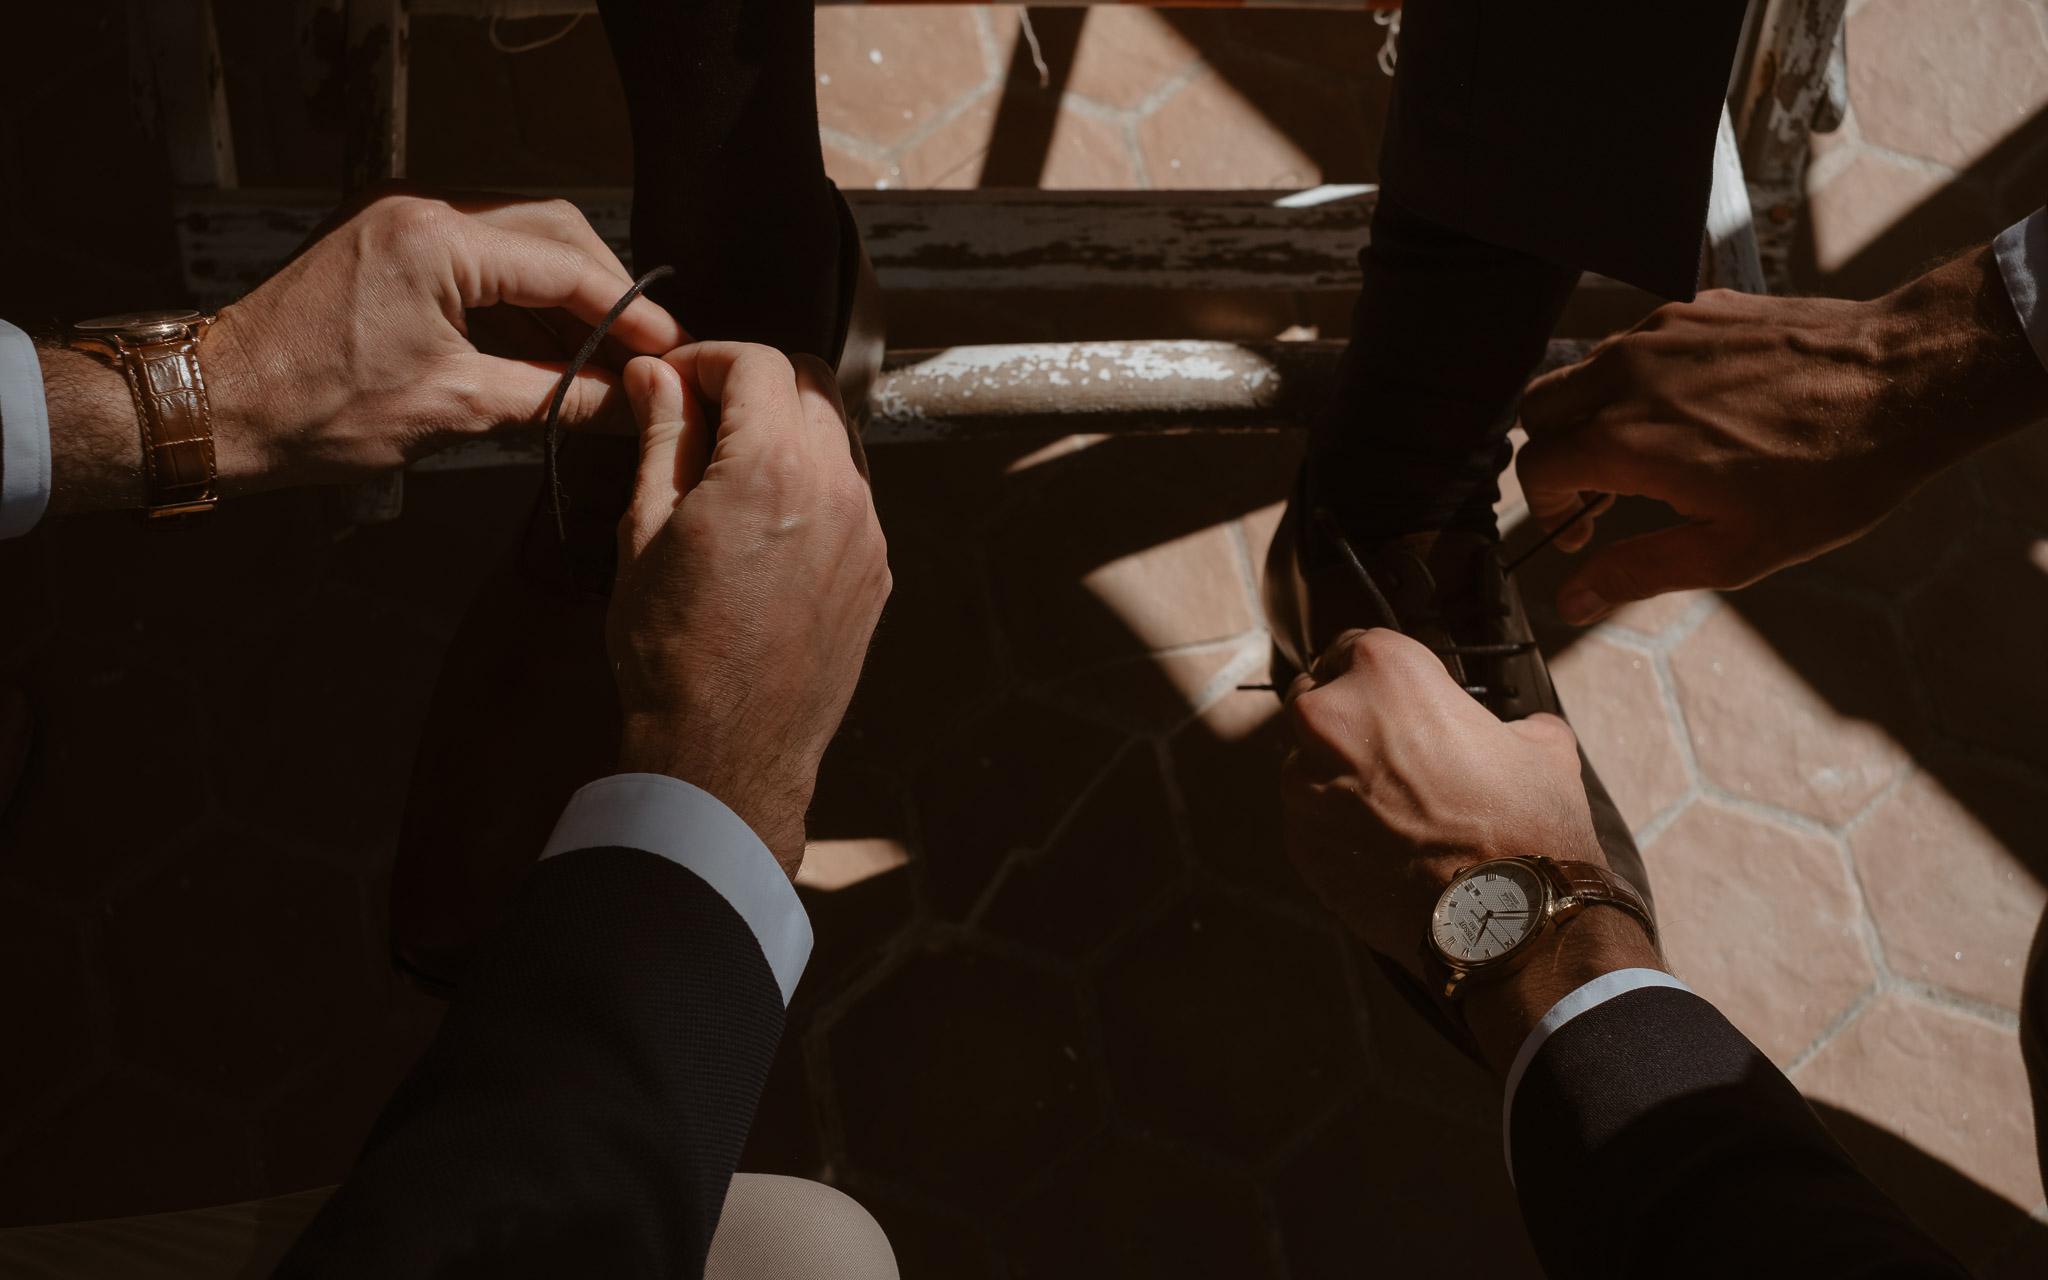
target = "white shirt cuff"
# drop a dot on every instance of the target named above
(690, 827)
(24, 435)
(1589, 996)
(2022, 253)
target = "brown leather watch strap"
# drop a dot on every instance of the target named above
(177, 425)
(1584, 883)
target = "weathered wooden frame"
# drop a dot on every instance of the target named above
(980, 240)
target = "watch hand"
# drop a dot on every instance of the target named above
(1482, 928)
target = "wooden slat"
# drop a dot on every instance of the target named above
(928, 240)
(185, 84)
(1023, 239)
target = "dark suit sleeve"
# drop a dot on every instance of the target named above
(584, 1103)
(1651, 1139)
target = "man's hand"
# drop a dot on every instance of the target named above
(360, 355)
(1399, 780)
(1780, 427)
(750, 580)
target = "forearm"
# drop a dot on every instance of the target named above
(1957, 369)
(95, 442)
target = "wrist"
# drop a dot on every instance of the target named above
(1501, 1012)
(773, 806)
(1956, 369)
(95, 438)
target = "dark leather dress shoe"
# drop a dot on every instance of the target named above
(525, 711)
(1447, 590)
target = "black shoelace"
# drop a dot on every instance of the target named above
(551, 477)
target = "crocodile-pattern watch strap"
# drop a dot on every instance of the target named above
(177, 425)
(1583, 883)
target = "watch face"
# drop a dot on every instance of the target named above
(1488, 913)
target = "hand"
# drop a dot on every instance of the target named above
(1399, 780)
(749, 582)
(1780, 427)
(361, 354)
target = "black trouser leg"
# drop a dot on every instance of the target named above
(729, 183)
(1445, 335)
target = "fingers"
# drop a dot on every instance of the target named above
(818, 388)
(1368, 686)
(1572, 394)
(1692, 555)
(548, 219)
(516, 393)
(753, 390)
(540, 272)
(671, 453)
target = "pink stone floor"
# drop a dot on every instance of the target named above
(1070, 1014)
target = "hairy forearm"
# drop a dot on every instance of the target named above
(1958, 370)
(95, 444)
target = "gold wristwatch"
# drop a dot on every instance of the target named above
(1489, 920)
(158, 353)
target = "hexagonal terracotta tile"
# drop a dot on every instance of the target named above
(1323, 118)
(284, 980)
(1131, 552)
(1135, 1208)
(1088, 154)
(1650, 617)
(1126, 54)
(1227, 765)
(1611, 696)
(1209, 137)
(1954, 905)
(1157, 692)
(1876, 220)
(949, 158)
(1975, 628)
(1762, 921)
(933, 656)
(1798, 699)
(1227, 1026)
(1947, 1083)
(1002, 785)
(1113, 858)
(1378, 1173)
(962, 1075)
(1945, 79)
(103, 790)
(125, 1146)
(48, 999)
(882, 73)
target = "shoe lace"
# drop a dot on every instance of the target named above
(551, 477)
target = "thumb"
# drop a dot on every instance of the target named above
(1691, 555)
(656, 393)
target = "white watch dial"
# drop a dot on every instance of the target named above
(1483, 916)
